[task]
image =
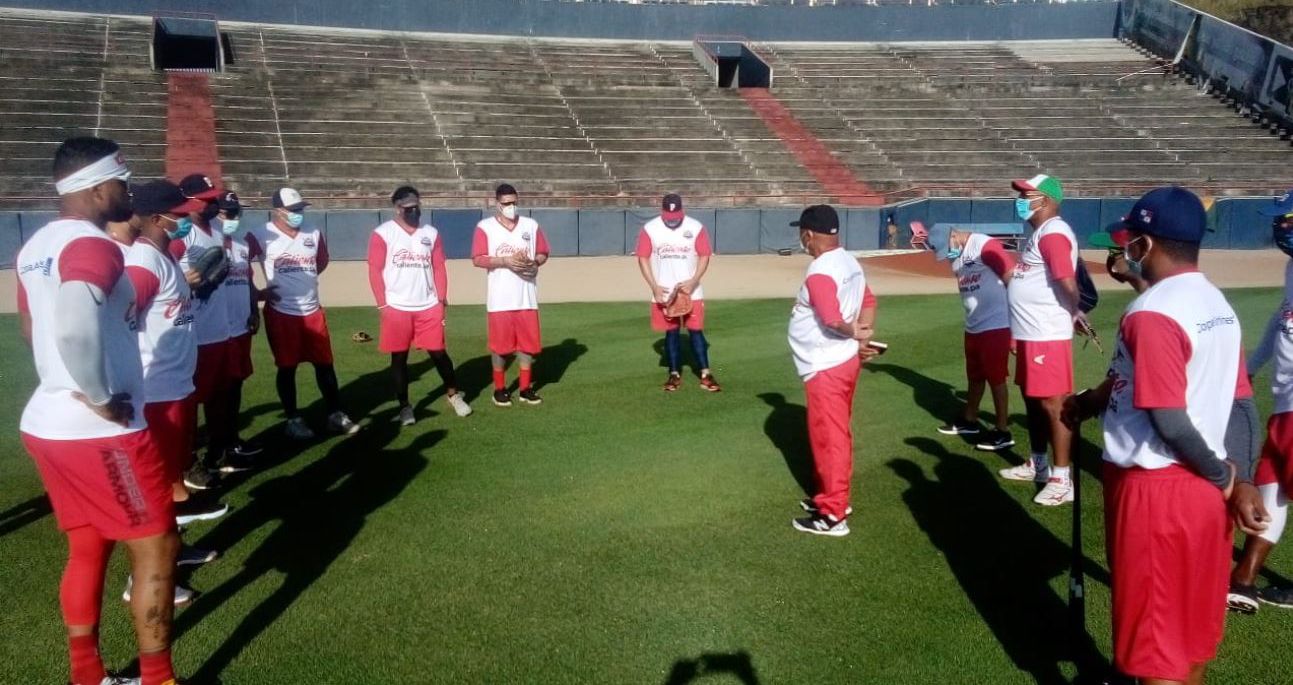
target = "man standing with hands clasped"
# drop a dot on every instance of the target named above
(832, 315)
(1180, 438)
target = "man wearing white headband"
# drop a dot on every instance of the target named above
(84, 425)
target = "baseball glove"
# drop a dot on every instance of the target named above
(213, 267)
(679, 304)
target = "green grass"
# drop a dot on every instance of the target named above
(615, 534)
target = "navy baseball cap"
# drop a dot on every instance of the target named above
(819, 219)
(1171, 212)
(162, 197)
(199, 186)
(671, 208)
(1282, 206)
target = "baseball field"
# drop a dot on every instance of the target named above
(618, 534)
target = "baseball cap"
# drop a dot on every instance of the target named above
(1046, 185)
(405, 196)
(819, 219)
(162, 197)
(1283, 205)
(671, 208)
(229, 203)
(288, 198)
(200, 187)
(1113, 237)
(1170, 212)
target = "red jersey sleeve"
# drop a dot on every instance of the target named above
(146, 286)
(95, 261)
(480, 249)
(376, 264)
(824, 297)
(177, 248)
(1057, 252)
(321, 257)
(23, 307)
(868, 299)
(438, 273)
(702, 244)
(643, 249)
(1159, 353)
(995, 256)
(540, 243)
(1243, 386)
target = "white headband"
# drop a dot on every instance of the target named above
(111, 167)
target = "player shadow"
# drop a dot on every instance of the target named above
(555, 360)
(787, 428)
(711, 666)
(476, 374)
(320, 511)
(24, 513)
(1002, 557)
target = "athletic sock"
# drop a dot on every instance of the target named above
(1041, 462)
(156, 669)
(500, 379)
(87, 665)
(1061, 472)
(525, 379)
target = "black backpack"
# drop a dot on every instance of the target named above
(1088, 296)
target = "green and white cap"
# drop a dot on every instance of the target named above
(1046, 185)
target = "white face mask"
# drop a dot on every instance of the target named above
(509, 212)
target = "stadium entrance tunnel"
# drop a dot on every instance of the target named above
(188, 44)
(732, 64)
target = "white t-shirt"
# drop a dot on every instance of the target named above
(1035, 310)
(674, 252)
(167, 344)
(505, 289)
(815, 347)
(210, 316)
(292, 265)
(242, 251)
(982, 293)
(407, 272)
(76, 250)
(1181, 323)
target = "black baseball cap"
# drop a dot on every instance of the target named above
(162, 197)
(671, 207)
(1170, 212)
(199, 186)
(819, 219)
(229, 203)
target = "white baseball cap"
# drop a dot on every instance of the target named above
(289, 199)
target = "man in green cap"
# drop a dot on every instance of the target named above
(1116, 262)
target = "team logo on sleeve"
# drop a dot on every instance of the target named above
(43, 266)
(688, 235)
(308, 242)
(525, 236)
(426, 241)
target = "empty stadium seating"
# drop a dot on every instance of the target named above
(347, 115)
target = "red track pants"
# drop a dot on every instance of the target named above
(830, 413)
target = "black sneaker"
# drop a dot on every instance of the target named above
(995, 441)
(199, 508)
(199, 477)
(246, 448)
(529, 396)
(502, 398)
(959, 427)
(192, 556)
(1281, 597)
(232, 462)
(1242, 598)
(809, 506)
(821, 524)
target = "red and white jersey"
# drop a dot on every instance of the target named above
(1179, 347)
(167, 345)
(210, 316)
(242, 250)
(1035, 309)
(68, 250)
(406, 268)
(674, 252)
(506, 290)
(292, 266)
(978, 271)
(815, 347)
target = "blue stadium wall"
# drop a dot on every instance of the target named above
(647, 22)
(607, 232)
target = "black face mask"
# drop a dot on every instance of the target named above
(211, 211)
(412, 216)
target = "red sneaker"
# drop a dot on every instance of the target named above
(707, 382)
(673, 383)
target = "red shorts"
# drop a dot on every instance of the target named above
(212, 374)
(239, 357)
(1168, 539)
(987, 356)
(117, 486)
(402, 330)
(695, 320)
(1276, 466)
(172, 425)
(297, 340)
(1044, 368)
(514, 331)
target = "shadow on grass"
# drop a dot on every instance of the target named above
(787, 428)
(20, 515)
(475, 376)
(708, 667)
(1003, 559)
(686, 357)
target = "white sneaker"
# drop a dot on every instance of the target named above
(1057, 491)
(298, 430)
(118, 680)
(460, 406)
(183, 595)
(406, 416)
(1025, 472)
(338, 422)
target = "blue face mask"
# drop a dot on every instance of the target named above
(295, 219)
(1136, 267)
(1023, 208)
(229, 226)
(182, 227)
(953, 252)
